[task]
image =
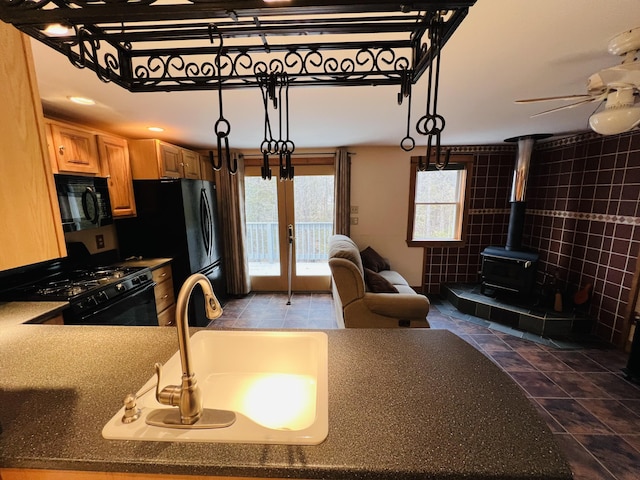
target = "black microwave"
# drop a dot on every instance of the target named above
(84, 202)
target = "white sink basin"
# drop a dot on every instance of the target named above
(275, 382)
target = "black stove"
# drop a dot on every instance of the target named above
(99, 283)
(93, 291)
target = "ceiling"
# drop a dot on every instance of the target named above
(504, 50)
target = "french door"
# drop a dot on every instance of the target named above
(288, 227)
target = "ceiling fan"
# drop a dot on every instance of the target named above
(617, 86)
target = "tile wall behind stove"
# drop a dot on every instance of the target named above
(583, 218)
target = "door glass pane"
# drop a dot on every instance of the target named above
(313, 200)
(261, 208)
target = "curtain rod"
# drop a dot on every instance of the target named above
(306, 154)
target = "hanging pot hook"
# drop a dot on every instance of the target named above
(432, 124)
(407, 143)
(265, 146)
(222, 126)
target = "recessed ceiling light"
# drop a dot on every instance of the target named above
(82, 100)
(57, 30)
(155, 129)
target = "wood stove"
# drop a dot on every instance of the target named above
(508, 270)
(511, 268)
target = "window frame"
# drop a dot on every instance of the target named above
(466, 161)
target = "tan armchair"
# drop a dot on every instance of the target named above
(357, 307)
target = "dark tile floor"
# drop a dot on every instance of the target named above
(578, 389)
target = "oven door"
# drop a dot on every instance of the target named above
(136, 308)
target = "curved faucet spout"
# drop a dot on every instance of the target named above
(187, 396)
(212, 308)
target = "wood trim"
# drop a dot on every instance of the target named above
(468, 160)
(633, 306)
(31, 474)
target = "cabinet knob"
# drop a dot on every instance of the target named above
(165, 296)
(61, 149)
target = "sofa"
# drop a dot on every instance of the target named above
(371, 296)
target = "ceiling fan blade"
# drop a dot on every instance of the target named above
(549, 99)
(590, 99)
(566, 107)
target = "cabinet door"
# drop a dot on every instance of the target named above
(170, 160)
(206, 169)
(190, 164)
(75, 150)
(31, 227)
(114, 157)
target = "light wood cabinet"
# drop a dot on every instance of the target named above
(29, 214)
(74, 150)
(154, 159)
(114, 158)
(111, 154)
(57, 320)
(170, 160)
(165, 297)
(190, 164)
(206, 169)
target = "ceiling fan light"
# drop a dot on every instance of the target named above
(615, 120)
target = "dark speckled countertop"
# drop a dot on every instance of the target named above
(403, 404)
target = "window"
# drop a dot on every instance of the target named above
(438, 203)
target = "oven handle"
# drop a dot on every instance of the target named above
(123, 298)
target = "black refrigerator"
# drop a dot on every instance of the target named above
(178, 218)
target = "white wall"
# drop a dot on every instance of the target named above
(380, 190)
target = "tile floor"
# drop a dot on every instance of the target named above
(579, 390)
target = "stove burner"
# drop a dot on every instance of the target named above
(68, 285)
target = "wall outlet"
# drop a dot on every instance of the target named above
(354, 209)
(354, 220)
(100, 241)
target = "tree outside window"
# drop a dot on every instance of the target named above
(439, 202)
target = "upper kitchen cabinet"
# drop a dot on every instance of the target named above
(29, 211)
(153, 159)
(114, 158)
(190, 164)
(206, 169)
(73, 150)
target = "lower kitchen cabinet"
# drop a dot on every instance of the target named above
(25, 474)
(165, 297)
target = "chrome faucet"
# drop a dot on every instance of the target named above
(187, 396)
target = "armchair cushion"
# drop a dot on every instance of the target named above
(377, 283)
(373, 260)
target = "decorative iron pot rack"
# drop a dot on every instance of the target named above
(167, 45)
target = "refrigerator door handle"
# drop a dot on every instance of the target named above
(205, 221)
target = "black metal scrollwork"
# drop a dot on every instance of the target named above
(302, 67)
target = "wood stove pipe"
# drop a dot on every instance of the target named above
(519, 187)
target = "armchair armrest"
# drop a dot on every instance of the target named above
(397, 305)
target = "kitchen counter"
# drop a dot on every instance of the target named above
(16, 313)
(408, 404)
